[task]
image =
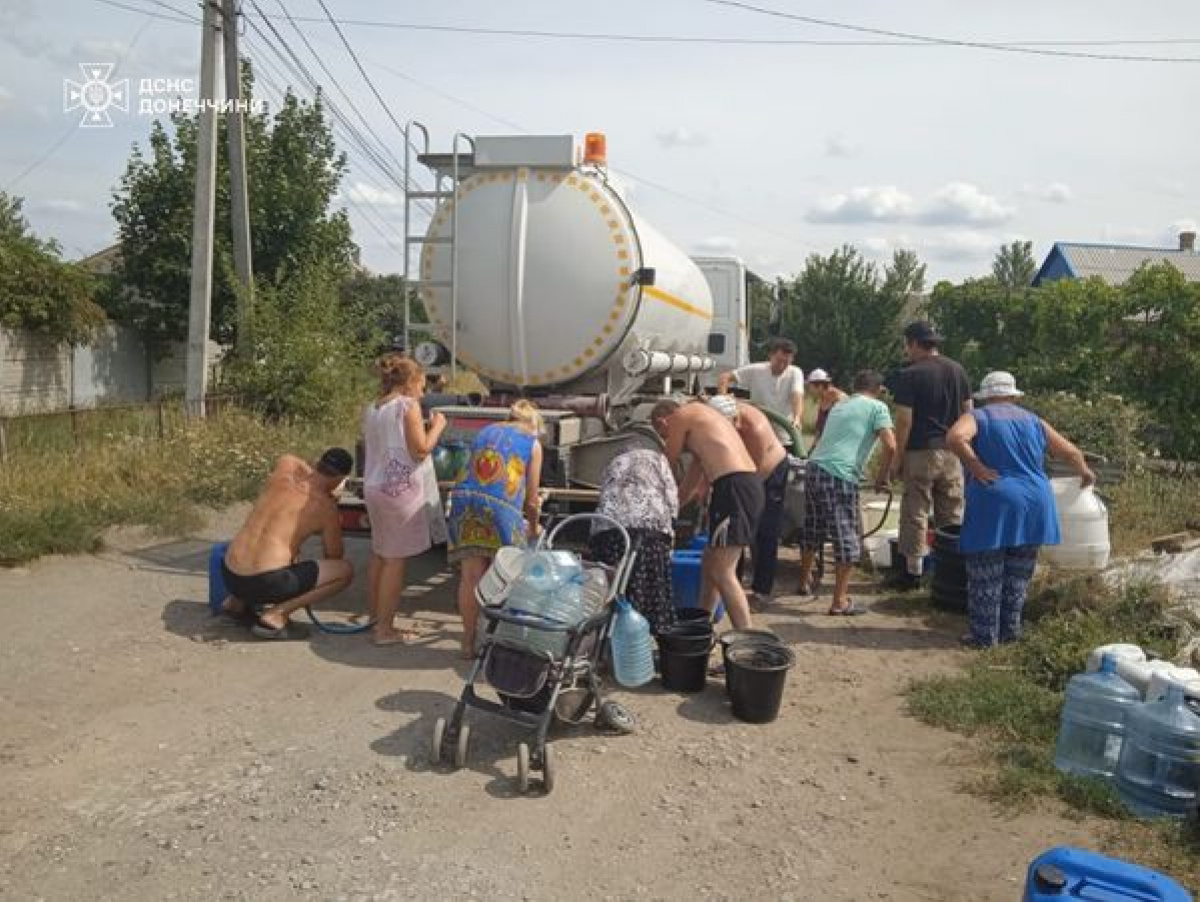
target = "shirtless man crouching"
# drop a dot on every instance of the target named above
(771, 460)
(719, 460)
(261, 569)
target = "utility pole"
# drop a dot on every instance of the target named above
(200, 305)
(238, 193)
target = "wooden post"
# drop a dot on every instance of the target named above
(162, 421)
(75, 426)
(3, 440)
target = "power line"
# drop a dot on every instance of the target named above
(145, 12)
(899, 39)
(946, 42)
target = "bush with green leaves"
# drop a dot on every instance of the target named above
(1108, 425)
(304, 361)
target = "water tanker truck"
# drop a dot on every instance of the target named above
(535, 274)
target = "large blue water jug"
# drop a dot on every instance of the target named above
(632, 647)
(1092, 729)
(1064, 873)
(216, 581)
(1159, 770)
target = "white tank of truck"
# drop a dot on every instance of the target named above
(554, 283)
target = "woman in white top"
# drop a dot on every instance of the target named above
(396, 443)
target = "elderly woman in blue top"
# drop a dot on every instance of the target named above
(1010, 510)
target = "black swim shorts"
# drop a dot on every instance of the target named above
(734, 507)
(271, 586)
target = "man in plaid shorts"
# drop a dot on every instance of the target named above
(835, 468)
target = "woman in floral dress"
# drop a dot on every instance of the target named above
(495, 504)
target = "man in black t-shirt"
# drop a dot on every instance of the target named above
(931, 393)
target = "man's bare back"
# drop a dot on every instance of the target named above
(760, 439)
(292, 506)
(711, 439)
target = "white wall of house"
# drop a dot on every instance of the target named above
(36, 376)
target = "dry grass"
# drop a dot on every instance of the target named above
(59, 500)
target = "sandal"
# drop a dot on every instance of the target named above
(288, 631)
(850, 610)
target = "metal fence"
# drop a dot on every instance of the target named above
(78, 428)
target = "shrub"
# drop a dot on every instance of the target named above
(1107, 425)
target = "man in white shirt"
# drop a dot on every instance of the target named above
(774, 384)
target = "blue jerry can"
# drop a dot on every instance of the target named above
(1063, 874)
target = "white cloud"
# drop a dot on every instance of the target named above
(362, 193)
(865, 204)
(1056, 193)
(960, 246)
(840, 147)
(681, 137)
(716, 244)
(960, 203)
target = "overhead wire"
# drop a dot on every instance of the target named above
(944, 41)
(896, 39)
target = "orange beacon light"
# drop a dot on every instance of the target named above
(595, 149)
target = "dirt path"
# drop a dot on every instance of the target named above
(148, 752)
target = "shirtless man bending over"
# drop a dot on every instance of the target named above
(720, 460)
(758, 435)
(261, 569)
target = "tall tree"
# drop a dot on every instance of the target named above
(841, 315)
(40, 292)
(1014, 266)
(294, 170)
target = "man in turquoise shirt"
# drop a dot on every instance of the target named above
(835, 468)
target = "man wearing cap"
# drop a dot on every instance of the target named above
(261, 569)
(771, 460)
(930, 394)
(774, 384)
(827, 394)
(835, 469)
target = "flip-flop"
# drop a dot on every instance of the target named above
(404, 637)
(271, 633)
(850, 610)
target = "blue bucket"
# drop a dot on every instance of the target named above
(216, 582)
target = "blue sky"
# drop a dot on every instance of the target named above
(769, 151)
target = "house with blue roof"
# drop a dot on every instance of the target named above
(1115, 263)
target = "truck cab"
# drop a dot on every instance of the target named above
(729, 338)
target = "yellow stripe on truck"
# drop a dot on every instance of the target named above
(679, 303)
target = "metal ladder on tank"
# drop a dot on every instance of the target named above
(444, 187)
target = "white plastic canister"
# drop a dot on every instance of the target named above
(1083, 522)
(1118, 651)
(1184, 677)
(1139, 673)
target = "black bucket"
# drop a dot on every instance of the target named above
(684, 641)
(758, 674)
(949, 586)
(683, 671)
(730, 638)
(692, 615)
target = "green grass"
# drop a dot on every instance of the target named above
(56, 500)
(1011, 697)
(1145, 505)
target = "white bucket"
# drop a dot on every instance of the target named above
(1083, 522)
(1118, 651)
(1184, 677)
(879, 548)
(506, 567)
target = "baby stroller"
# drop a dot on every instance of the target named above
(541, 669)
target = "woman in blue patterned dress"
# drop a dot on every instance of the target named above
(1010, 511)
(495, 504)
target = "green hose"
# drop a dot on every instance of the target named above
(785, 424)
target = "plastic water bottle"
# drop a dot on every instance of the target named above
(1092, 729)
(1159, 770)
(632, 647)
